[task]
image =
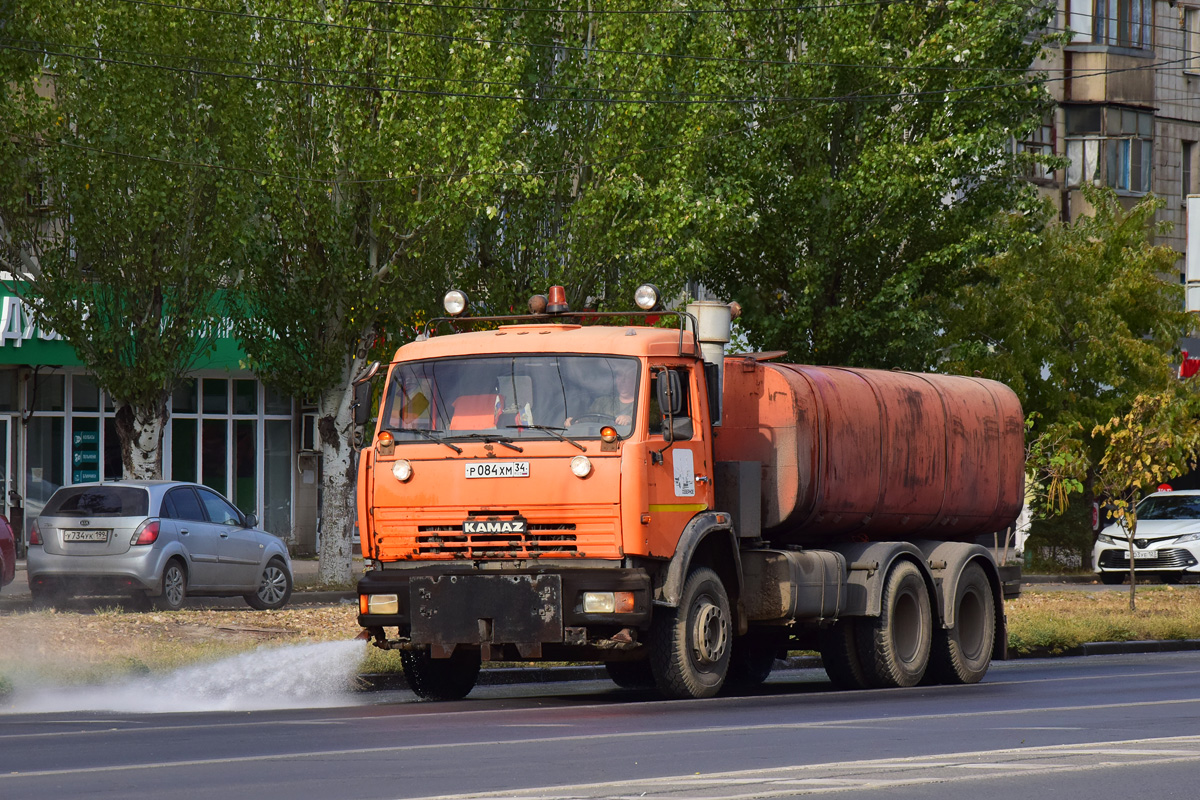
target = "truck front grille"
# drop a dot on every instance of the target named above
(540, 540)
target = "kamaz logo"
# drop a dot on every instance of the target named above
(494, 526)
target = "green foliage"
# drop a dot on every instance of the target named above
(869, 189)
(1074, 318)
(127, 262)
(1055, 465)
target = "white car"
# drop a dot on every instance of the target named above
(1166, 544)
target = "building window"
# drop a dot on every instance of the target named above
(1120, 23)
(1112, 145)
(1191, 40)
(1188, 170)
(1038, 142)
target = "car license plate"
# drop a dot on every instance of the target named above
(497, 469)
(1145, 555)
(85, 536)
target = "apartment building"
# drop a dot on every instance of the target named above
(1128, 90)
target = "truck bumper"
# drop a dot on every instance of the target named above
(443, 608)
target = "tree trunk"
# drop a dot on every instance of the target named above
(335, 427)
(141, 433)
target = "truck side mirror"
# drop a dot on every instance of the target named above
(362, 394)
(681, 429)
(670, 393)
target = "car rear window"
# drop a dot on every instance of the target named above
(98, 501)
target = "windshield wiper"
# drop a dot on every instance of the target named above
(489, 438)
(556, 432)
(430, 435)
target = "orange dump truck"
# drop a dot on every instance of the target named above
(585, 487)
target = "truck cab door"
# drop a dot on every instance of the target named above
(679, 472)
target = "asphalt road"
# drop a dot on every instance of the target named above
(1094, 727)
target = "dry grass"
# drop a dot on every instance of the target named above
(1052, 622)
(80, 647)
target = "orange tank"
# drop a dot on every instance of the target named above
(862, 455)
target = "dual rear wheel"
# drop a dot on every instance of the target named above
(903, 646)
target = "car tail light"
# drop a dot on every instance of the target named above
(146, 533)
(35, 534)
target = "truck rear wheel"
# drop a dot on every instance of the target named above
(963, 653)
(894, 647)
(450, 678)
(690, 645)
(839, 655)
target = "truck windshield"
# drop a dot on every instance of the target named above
(516, 397)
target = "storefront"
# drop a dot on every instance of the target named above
(226, 430)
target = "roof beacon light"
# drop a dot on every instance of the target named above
(647, 297)
(557, 302)
(455, 302)
(537, 304)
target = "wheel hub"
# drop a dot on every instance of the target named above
(710, 634)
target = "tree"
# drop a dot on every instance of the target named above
(1156, 440)
(875, 172)
(1075, 318)
(126, 130)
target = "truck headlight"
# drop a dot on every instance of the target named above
(607, 602)
(581, 466)
(402, 469)
(379, 603)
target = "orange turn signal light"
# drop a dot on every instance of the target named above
(386, 439)
(608, 434)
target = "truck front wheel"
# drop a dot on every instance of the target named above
(450, 678)
(963, 653)
(894, 647)
(690, 645)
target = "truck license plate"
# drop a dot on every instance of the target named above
(85, 536)
(497, 469)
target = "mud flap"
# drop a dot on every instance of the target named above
(523, 610)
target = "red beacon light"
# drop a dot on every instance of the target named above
(557, 301)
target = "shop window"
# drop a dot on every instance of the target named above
(183, 449)
(183, 401)
(85, 394)
(44, 462)
(245, 397)
(245, 465)
(8, 390)
(216, 396)
(47, 392)
(277, 477)
(114, 468)
(214, 458)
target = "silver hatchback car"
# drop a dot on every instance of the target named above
(157, 541)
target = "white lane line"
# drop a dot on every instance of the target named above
(868, 775)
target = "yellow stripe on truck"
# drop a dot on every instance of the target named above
(693, 507)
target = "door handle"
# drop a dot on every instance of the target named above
(183, 532)
(224, 535)
(703, 479)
